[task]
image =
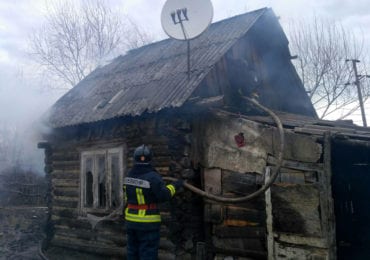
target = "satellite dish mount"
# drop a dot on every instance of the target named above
(180, 16)
(179, 25)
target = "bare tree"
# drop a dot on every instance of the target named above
(323, 47)
(75, 39)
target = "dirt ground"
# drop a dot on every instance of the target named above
(21, 231)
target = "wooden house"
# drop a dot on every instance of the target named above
(191, 121)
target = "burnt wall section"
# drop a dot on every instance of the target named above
(299, 203)
(237, 230)
(229, 170)
(258, 64)
(170, 141)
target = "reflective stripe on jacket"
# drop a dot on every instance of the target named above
(144, 186)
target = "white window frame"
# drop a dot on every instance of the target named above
(108, 154)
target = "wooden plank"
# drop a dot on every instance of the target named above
(65, 182)
(209, 102)
(298, 147)
(337, 133)
(292, 251)
(304, 166)
(241, 183)
(66, 165)
(269, 218)
(326, 200)
(82, 224)
(333, 129)
(68, 174)
(240, 223)
(239, 247)
(296, 209)
(64, 191)
(257, 203)
(73, 171)
(239, 232)
(239, 213)
(65, 203)
(212, 180)
(303, 130)
(65, 212)
(287, 175)
(64, 162)
(66, 156)
(302, 240)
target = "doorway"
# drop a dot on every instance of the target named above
(351, 193)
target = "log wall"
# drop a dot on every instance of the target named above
(292, 220)
(171, 146)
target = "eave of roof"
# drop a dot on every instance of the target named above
(317, 127)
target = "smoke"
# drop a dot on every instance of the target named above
(22, 103)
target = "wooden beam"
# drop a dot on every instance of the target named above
(212, 101)
(302, 240)
(305, 166)
(326, 199)
(239, 232)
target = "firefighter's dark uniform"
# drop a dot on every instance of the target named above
(144, 188)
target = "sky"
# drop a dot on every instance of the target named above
(23, 95)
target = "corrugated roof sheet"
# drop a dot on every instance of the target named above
(149, 78)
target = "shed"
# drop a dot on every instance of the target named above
(191, 122)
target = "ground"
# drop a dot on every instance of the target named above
(21, 232)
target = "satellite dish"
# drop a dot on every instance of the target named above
(186, 19)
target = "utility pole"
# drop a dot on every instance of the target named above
(357, 83)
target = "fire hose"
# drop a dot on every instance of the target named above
(267, 184)
(94, 220)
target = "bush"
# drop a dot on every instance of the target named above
(19, 187)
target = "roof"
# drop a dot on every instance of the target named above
(150, 78)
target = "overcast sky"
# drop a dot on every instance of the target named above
(19, 17)
(20, 94)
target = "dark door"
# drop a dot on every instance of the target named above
(351, 192)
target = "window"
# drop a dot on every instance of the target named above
(101, 180)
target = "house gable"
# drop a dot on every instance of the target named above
(258, 64)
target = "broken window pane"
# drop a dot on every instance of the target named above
(89, 198)
(101, 182)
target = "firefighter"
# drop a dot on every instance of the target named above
(144, 189)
